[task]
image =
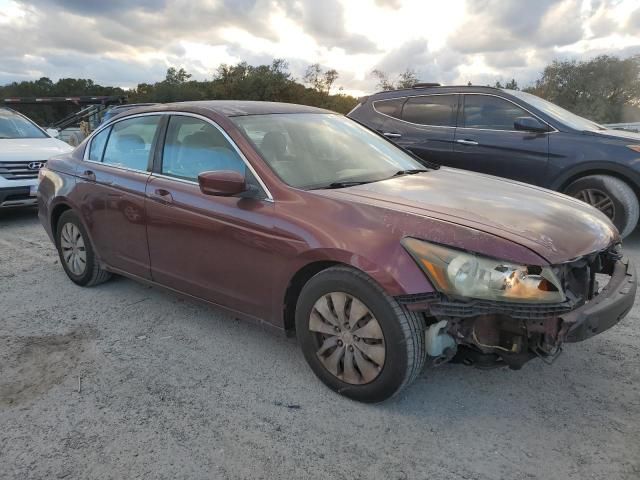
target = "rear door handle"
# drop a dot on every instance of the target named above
(161, 195)
(467, 142)
(391, 135)
(88, 175)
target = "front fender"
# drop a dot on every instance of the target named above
(397, 273)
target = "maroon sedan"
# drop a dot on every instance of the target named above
(305, 221)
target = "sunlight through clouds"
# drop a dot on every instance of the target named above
(456, 41)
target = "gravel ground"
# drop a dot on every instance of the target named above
(125, 381)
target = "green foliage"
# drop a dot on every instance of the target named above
(320, 81)
(238, 82)
(605, 89)
(406, 79)
(511, 85)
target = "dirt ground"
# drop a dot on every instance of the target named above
(124, 381)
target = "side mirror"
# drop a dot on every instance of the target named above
(223, 183)
(52, 132)
(530, 124)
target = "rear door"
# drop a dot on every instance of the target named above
(111, 184)
(423, 124)
(486, 141)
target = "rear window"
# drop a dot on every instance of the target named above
(433, 110)
(393, 107)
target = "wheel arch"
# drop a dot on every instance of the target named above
(398, 276)
(56, 213)
(621, 172)
(295, 286)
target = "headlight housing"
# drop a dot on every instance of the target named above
(465, 274)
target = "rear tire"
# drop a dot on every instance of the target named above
(76, 253)
(611, 196)
(384, 337)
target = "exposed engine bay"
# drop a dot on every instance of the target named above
(486, 333)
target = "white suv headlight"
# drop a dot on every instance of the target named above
(465, 274)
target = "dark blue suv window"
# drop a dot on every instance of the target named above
(490, 113)
(434, 110)
(392, 107)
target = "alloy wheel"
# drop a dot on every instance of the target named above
(73, 249)
(350, 340)
(598, 199)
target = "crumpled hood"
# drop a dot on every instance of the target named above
(36, 149)
(555, 226)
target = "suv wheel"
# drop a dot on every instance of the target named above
(357, 339)
(611, 196)
(76, 252)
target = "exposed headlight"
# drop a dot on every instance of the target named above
(459, 273)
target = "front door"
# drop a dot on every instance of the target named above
(486, 141)
(217, 248)
(112, 186)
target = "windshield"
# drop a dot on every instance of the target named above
(318, 150)
(13, 125)
(560, 114)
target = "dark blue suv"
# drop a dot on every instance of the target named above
(515, 135)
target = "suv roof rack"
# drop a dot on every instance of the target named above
(426, 85)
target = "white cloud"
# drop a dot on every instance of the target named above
(123, 43)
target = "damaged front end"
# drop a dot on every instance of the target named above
(510, 328)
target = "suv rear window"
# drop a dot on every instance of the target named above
(434, 110)
(392, 107)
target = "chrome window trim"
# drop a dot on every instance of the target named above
(269, 197)
(373, 104)
(127, 169)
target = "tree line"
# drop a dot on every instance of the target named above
(605, 89)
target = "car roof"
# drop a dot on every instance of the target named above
(233, 108)
(406, 92)
(126, 106)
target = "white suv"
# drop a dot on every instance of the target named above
(24, 149)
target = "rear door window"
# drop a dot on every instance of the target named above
(392, 107)
(97, 145)
(131, 141)
(490, 113)
(433, 110)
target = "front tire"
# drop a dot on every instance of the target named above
(611, 196)
(76, 253)
(356, 338)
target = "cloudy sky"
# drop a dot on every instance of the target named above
(120, 42)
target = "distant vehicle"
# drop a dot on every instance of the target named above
(118, 109)
(515, 135)
(305, 221)
(24, 149)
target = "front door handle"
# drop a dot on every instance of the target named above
(391, 135)
(161, 195)
(467, 142)
(88, 175)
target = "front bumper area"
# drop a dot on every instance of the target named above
(606, 309)
(490, 333)
(17, 197)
